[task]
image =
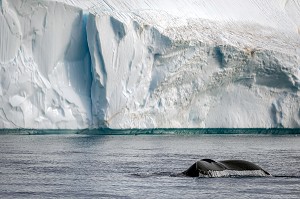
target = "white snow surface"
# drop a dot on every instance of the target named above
(74, 64)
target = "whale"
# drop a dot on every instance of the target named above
(211, 168)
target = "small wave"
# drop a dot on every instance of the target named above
(286, 176)
(234, 173)
(209, 174)
(156, 174)
(216, 174)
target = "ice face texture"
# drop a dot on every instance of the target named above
(149, 64)
(45, 77)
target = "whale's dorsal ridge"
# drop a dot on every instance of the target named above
(209, 167)
(208, 160)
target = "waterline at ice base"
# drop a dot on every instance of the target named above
(71, 64)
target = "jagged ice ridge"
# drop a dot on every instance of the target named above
(74, 64)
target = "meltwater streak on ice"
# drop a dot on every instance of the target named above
(72, 64)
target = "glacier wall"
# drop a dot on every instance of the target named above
(45, 74)
(149, 64)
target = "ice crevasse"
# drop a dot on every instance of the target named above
(72, 64)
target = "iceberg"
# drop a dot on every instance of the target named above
(71, 64)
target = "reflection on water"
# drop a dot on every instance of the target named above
(128, 166)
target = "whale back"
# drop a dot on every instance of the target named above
(192, 171)
(202, 167)
(241, 165)
(208, 167)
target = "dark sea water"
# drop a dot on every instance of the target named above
(142, 166)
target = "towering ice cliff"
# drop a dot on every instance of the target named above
(45, 69)
(149, 63)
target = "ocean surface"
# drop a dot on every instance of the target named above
(70, 165)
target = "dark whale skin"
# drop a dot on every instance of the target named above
(205, 165)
